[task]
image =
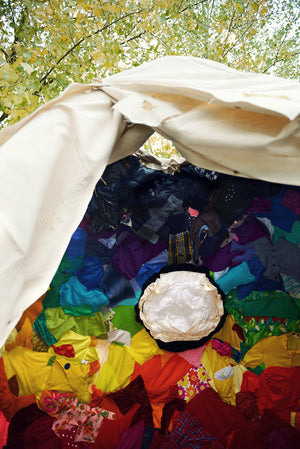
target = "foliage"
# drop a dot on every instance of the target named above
(160, 147)
(46, 45)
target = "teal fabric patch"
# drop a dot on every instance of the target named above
(239, 275)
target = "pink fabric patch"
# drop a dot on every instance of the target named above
(3, 430)
(193, 356)
(222, 347)
(79, 421)
(193, 212)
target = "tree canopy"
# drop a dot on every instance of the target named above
(47, 44)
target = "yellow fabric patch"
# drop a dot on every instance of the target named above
(143, 347)
(214, 362)
(81, 345)
(116, 371)
(35, 375)
(229, 335)
(10, 339)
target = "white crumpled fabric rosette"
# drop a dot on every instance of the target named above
(181, 306)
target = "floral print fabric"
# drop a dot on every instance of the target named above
(72, 414)
(195, 380)
(258, 327)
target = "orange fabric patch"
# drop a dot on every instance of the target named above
(31, 312)
(23, 337)
(94, 367)
(94, 341)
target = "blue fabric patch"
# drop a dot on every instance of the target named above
(77, 243)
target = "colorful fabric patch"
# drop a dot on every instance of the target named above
(258, 327)
(87, 420)
(50, 401)
(195, 380)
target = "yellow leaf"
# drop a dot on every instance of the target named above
(109, 8)
(63, 38)
(97, 11)
(264, 10)
(17, 63)
(16, 99)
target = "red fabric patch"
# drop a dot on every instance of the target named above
(239, 331)
(65, 350)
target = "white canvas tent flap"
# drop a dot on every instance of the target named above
(51, 160)
(237, 123)
(205, 80)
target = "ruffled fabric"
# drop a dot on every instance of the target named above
(181, 306)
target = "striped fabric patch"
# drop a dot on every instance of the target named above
(180, 248)
(290, 285)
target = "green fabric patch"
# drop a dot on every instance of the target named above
(258, 369)
(124, 318)
(59, 323)
(272, 304)
(293, 236)
(258, 326)
(51, 360)
(52, 298)
(80, 310)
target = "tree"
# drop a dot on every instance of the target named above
(46, 45)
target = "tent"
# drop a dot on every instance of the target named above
(245, 124)
(241, 124)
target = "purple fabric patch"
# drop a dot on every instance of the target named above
(291, 200)
(134, 251)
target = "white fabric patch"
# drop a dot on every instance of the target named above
(119, 336)
(181, 305)
(224, 373)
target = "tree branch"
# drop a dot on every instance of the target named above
(241, 36)
(5, 53)
(228, 32)
(44, 77)
(281, 59)
(12, 13)
(133, 38)
(211, 9)
(3, 116)
(195, 4)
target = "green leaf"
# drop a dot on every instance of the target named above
(27, 54)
